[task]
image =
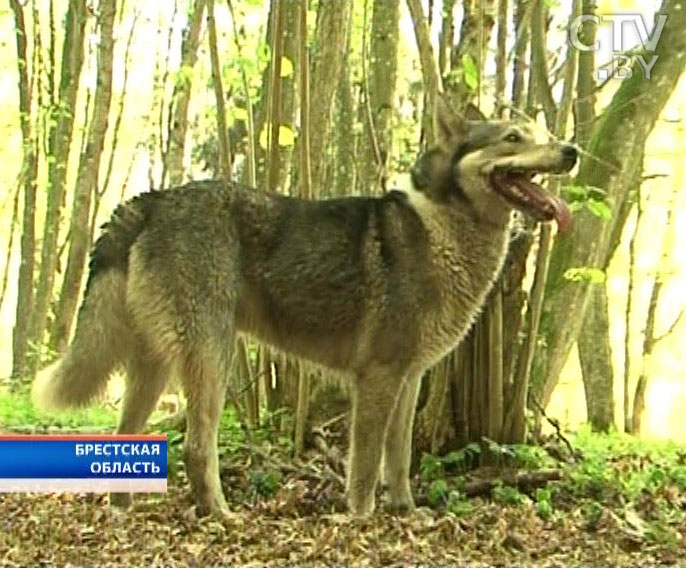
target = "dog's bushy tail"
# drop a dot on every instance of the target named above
(81, 375)
(103, 334)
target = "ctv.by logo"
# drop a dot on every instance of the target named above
(624, 28)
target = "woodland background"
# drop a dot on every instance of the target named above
(105, 99)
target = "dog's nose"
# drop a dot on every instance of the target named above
(570, 153)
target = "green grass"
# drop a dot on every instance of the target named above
(17, 412)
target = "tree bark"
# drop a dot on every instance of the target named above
(432, 80)
(179, 126)
(224, 148)
(596, 362)
(86, 182)
(380, 89)
(345, 143)
(29, 174)
(595, 354)
(333, 22)
(633, 112)
(58, 154)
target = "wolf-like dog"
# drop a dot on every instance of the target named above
(379, 288)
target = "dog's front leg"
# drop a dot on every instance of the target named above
(398, 448)
(373, 401)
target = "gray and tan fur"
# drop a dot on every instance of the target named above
(378, 288)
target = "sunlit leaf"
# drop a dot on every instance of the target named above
(600, 209)
(239, 113)
(286, 137)
(584, 274)
(286, 67)
(471, 72)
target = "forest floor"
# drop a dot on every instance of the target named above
(613, 501)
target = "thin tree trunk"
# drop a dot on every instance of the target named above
(274, 122)
(446, 37)
(475, 33)
(224, 148)
(379, 95)
(303, 404)
(345, 174)
(430, 75)
(595, 354)
(501, 56)
(650, 337)
(179, 126)
(596, 362)
(29, 174)
(522, 11)
(333, 23)
(58, 153)
(86, 182)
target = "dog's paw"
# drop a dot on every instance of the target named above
(400, 506)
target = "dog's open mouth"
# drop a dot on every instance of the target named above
(518, 187)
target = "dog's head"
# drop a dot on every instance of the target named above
(492, 164)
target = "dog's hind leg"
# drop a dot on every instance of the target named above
(398, 447)
(205, 371)
(374, 397)
(146, 377)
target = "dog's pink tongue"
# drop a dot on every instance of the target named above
(563, 215)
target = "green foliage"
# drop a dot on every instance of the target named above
(544, 503)
(433, 467)
(585, 274)
(17, 411)
(589, 198)
(183, 77)
(531, 457)
(437, 492)
(507, 495)
(471, 72)
(265, 483)
(619, 467)
(458, 504)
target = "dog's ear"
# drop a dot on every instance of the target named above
(473, 113)
(448, 125)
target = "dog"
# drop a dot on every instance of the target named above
(378, 288)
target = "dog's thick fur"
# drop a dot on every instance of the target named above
(378, 288)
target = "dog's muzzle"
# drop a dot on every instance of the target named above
(517, 186)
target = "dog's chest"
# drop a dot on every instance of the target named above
(466, 261)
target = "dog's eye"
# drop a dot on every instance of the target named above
(513, 137)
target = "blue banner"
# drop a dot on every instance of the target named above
(83, 457)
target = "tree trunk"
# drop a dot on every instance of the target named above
(430, 76)
(475, 36)
(333, 22)
(224, 147)
(633, 112)
(596, 362)
(595, 354)
(86, 182)
(179, 126)
(650, 338)
(29, 174)
(379, 96)
(58, 156)
(345, 174)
